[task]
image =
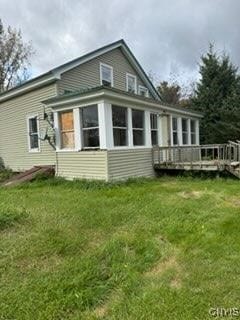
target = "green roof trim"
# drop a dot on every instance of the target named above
(81, 92)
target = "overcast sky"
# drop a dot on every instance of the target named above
(166, 36)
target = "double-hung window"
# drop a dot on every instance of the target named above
(138, 127)
(175, 131)
(119, 121)
(33, 139)
(154, 128)
(90, 126)
(106, 75)
(66, 129)
(142, 91)
(193, 132)
(184, 131)
(131, 83)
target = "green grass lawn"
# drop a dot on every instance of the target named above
(167, 248)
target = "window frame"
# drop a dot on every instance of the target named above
(111, 71)
(193, 132)
(175, 131)
(121, 128)
(82, 129)
(135, 79)
(154, 129)
(29, 117)
(143, 129)
(185, 131)
(140, 87)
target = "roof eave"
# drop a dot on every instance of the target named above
(107, 93)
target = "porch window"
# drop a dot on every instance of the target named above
(193, 131)
(142, 91)
(119, 121)
(90, 126)
(106, 75)
(66, 129)
(33, 134)
(175, 131)
(185, 131)
(138, 127)
(131, 83)
(154, 128)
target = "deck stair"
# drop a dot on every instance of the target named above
(212, 157)
(29, 175)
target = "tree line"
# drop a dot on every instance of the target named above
(216, 94)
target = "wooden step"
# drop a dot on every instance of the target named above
(29, 175)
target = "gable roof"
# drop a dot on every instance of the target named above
(55, 74)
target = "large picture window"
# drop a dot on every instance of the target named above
(90, 126)
(66, 129)
(106, 75)
(138, 127)
(193, 132)
(184, 131)
(154, 128)
(175, 131)
(33, 134)
(119, 121)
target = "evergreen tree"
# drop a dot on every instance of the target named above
(217, 88)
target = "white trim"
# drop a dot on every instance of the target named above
(144, 89)
(77, 131)
(102, 125)
(101, 64)
(147, 125)
(189, 131)
(33, 150)
(57, 130)
(197, 132)
(179, 121)
(130, 133)
(127, 79)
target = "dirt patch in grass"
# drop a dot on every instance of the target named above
(162, 267)
(191, 194)
(233, 202)
(102, 310)
(44, 263)
(170, 264)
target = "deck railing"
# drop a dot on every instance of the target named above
(180, 154)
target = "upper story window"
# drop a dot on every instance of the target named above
(131, 83)
(185, 131)
(90, 126)
(66, 124)
(119, 121)
(138, 127)
(175, 131)
(33, 140)
(154, 128)
(106, 75)
(142, 91)
(193, 132)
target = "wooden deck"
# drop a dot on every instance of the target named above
(217, 157)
